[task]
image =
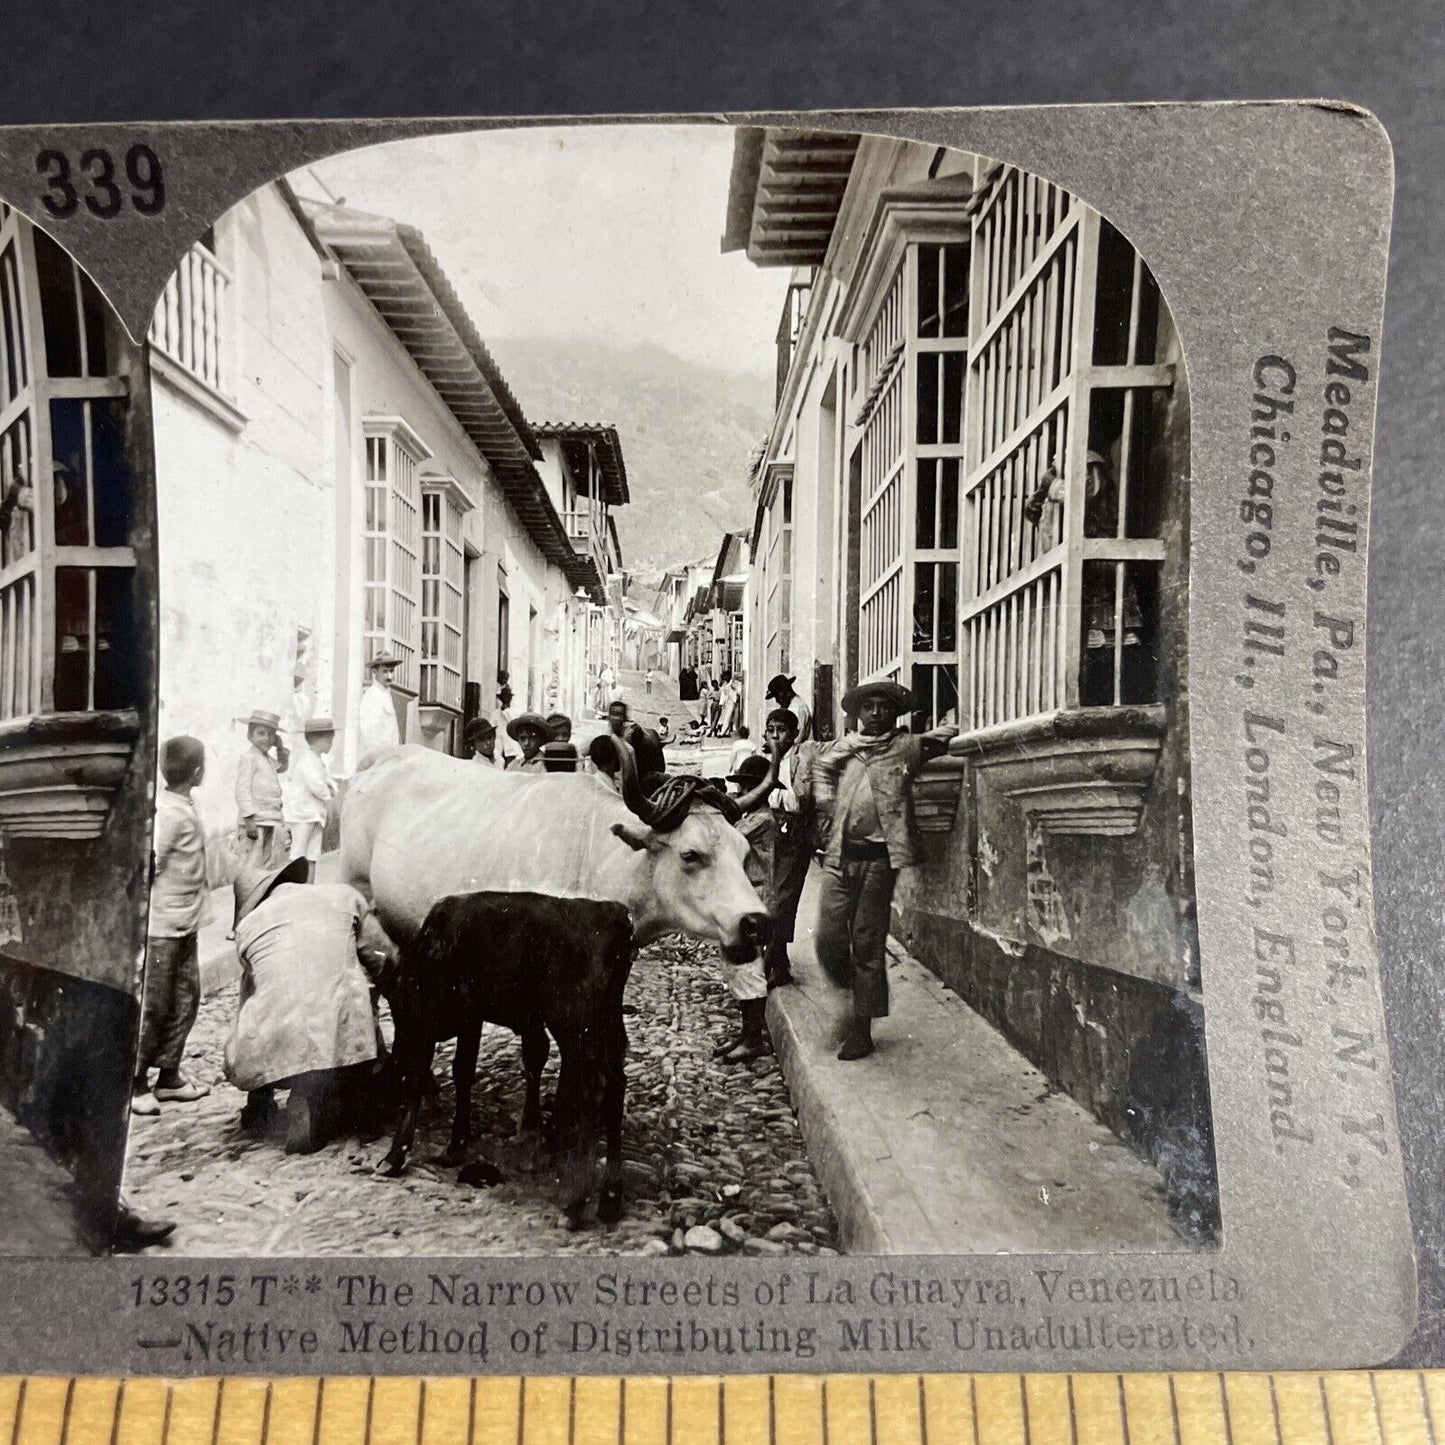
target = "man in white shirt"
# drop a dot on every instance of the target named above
(377, 725)
(780, 690)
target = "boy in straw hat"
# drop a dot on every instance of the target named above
(308, 954)
(310, 794)
(870, 835)
(480, 741)
(530, 733)
(262, 824)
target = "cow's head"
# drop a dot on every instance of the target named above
(698, 883)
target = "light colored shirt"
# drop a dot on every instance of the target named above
(507, 746)
(376, 725)
(861, 823)
(312, 788)
(178, 894)
(485, 761)
(783, 798)
(258, 787)
(804, 715)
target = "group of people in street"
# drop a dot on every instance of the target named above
(849, 804)
(719, 701)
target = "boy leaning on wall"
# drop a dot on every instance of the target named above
(178, 903)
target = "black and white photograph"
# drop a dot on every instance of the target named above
(733, 701)
(670, 661)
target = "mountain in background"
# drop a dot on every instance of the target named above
(688, 433)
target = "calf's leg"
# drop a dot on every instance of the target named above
(464, 1073)
(413, 1055)
(574, 1118)
(535, 1048)
(614, 1089)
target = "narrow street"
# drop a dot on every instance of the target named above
(705, 1144)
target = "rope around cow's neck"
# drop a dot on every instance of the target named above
(674, 794)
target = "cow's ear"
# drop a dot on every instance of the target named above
(642, 839)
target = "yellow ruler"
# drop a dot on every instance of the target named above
(1387, 1407)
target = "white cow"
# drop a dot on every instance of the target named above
(418, 826)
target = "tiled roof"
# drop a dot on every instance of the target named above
(603, 435)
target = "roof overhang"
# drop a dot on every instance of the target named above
(784, 193)
(395, 270)
(576, 437)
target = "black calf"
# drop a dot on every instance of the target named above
(535, 965)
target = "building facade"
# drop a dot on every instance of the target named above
(77, 719)
(346, 473)
(977, 484)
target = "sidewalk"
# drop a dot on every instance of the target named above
(947, 1140)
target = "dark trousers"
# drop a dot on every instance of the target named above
(172, 997)
(785, 913)
(852, 939)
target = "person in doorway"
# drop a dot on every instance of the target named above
(312, 788)
(480, 741)
(309, 954)
(502, 722)
(261, 825)
(529, 732)
(178, 906)
(870, 837)
(376, 723)
(780, 691)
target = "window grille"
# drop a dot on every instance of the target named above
(392, 544)
(442, 569)
(67, 570)
(1059, 563)
(779, 567)
(190, 322)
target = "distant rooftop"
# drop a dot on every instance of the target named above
(576, 435)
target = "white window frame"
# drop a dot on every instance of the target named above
(442, 666)
(392, 561)
(28, 581)
(1034, 287)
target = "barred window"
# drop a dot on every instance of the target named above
(443, 565)
(1063, 551)
(391, 529)
(67, 568)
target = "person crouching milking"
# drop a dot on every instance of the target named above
(755, 779)
(309, 953)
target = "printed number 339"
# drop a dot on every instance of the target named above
(103, 195)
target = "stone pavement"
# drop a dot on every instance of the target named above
(714, 1159)
(947, 1140)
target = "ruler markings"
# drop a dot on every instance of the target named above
(1247, 1408)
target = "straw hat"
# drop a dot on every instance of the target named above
(897, 696)
(384, 659)
(261, 719)
(533, 721)
(254, 885)
(317, 725)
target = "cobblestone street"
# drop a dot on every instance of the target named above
(714, 1159)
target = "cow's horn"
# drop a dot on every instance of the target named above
(626, 766)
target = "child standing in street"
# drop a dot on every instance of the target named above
(261, 824)
(178, 901)
(311, 792)
(755, 779)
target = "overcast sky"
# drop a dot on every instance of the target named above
(604, 231)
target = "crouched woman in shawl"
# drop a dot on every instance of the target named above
(309, 955)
